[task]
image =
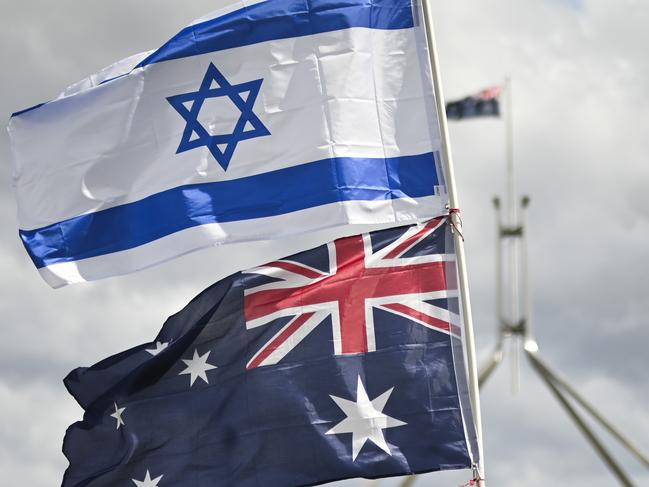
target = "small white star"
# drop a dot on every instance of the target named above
(147, 482)
(159, 347)
(365, 419)
(197, 367)
(118, 415)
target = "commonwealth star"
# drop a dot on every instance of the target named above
(197, 367)
(147, 482)
(365, 419)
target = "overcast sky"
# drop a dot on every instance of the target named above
(581, 111)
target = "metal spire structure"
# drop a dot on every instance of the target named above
(513, 307)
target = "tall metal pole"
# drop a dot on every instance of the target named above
(512, 222)
(463, 282)
(509, 141)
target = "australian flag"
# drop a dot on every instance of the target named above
(483, 104)
(342, 361)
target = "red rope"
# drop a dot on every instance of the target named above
(472, 482)
(454, 226)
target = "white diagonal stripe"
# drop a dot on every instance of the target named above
(288, 279)
(292, 341)
(327, 307)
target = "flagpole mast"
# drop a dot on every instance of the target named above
(463, 283)
(512, 216)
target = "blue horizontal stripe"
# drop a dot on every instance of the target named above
(264, 195)
(282, 19)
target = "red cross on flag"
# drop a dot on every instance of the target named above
(360, 279)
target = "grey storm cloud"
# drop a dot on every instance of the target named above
(581, 111)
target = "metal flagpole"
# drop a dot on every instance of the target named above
(463, 283)
(513, 243)
(509, 141)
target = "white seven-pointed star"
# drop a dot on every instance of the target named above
(197, 367)
(118, 415)
(365, 419)
(147, 482)
(159, 347)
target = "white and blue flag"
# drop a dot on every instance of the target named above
(264, 120)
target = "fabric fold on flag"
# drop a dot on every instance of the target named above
(270, 119)
(342, 361)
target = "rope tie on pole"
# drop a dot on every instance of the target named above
(456, 224)
(473, 482)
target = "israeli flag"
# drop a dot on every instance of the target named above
(261, 121)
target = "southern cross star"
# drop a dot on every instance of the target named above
(214, 85)
(197, 367)
(147, 482)
(118, 415)
(365, 419)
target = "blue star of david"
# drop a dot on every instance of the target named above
(222, 146)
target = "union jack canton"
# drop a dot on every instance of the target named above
(362, 275)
